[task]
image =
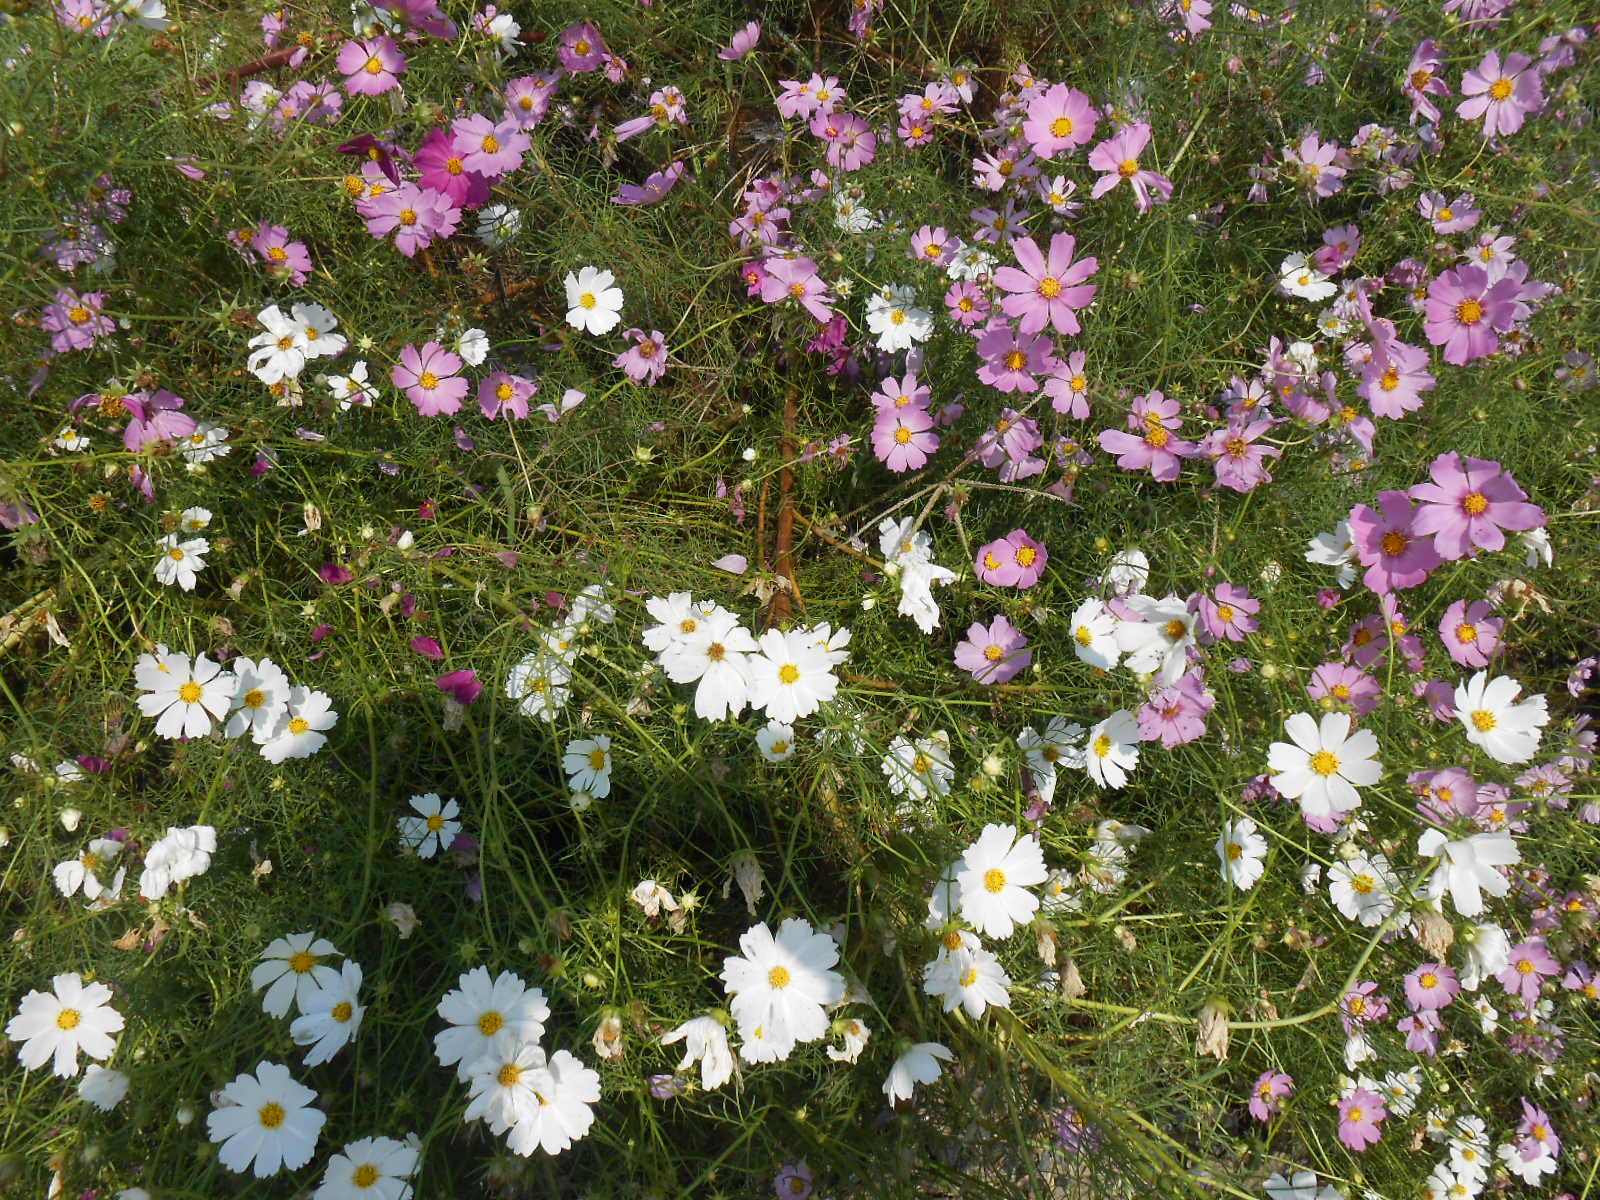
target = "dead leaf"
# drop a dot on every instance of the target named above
(1212, 1033)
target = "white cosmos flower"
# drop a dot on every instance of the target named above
(790, 676)
(180, 561)
(280, 352)
(587, 762)
(260, 699)
(193, 520)
(965, 975)
(316, 326)
(1336, 549)
(83, 873)
(103, 1087)
(485, 1013)
(776, 741)
(855, 1034)
(208, 441)
(331, 1016)
(1469, 868)
(1094, 634)
(782, 984)
(1160, 642)
(1127, 572)
(1363, 888)
(1241, 850)
(715, 653)
(473, 346)
(919, 1064)
(1323, 765)
(893, 314)
(291, 971)
(353, 389)
(433, 827)
(1061, 744)
(678, 617)
(1486, 950)
(594, 303)
(179, 854)
(374, 1168)
(1298, 277)
(538, 682)
(183, 696)
(918, 769)
(1506, 731)
(705, 1042)
(55, 1025)
(994, 875)
(565, 1092)
(267, 1124)
(301, 733)
(1111, 749)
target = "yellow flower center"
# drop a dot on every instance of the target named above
(969, 977)
(508, 1075)
(1061, 127)
(78, 314)
(298, 725)
(374, 66)
(342, 1011)
(920, 764)
(435, 823)
(1341, 691)
(1176, 629)
(1475, 504)
(716, 652)
(788, 673)
(365, 1176)
(597, 760)
(408, 217)
(1429, 980)
(1363, 884)
(428, 381)
(1049, 287)
(778, 978)
(1157, 436)
(1026, 556)
(1466, 633)
(1324, 763)
(454, 166)
(68, 1018)
(1128, 168)
(994, 653)
(1469, 312)
(1102, 745)
(1483, 720)
(1355, 1116)
(191, 692)
(797, 290)
(1235, 851)
(271, 1115)
(1525, 966)
(1084, 636)
(582, 47)
(1501, 88)
(175, 554)
(491, 1023)
(302, 962)
(490, 143)
(1393, 543)
(1421, 79)
(952, 940)
(1357, 1005)
(587, 300)
(255, 698)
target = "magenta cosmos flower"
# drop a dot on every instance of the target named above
(1060, 118)
(74, 320)
(371, 66)
(1470, 633)
(1360, 1115)
(1176, 715)
(743, 42)
(646, 360)
(416, 216)
(442, 166)
(1465, 312)
(993, 653)
(903, 439)
(1118, 157)
(1470, 503)
(1271, 1089)
(1015, 560)
(1502, 95)
(1011, 360)
(1396, 553)
(528, 97)
(1153, 446)
(430, 379)
(1531, 964)
(1047, 290)
(154, 417)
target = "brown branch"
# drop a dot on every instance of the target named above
(267, 62)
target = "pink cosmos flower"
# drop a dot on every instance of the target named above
(1393, 381)
(1118, 157)
(1362, 1005)
(1240, 462)
(1318, 166)
(416, 216)
(430, 379)
(894, 394)
(1047, 290)
(903, 439)
(371, 66)
(1423, 81)
(1068, 387)
(646, 360)
(75, 320)
(914, 131)
(1536, 1134)
(502, 394)
(1470, 503)
(153, 417)
(1470, 633)
(743, 42)
(1345, 685)
(1340, 245)
(796, 279)
(1060, 118)
(935, 99)
(851, 142)
(422, 15)
(1230, 613)
(528, 97)
(967, 304)
(285, 259)
(1531, 964)
(1271, 1089)
(1015, 560)
(1153, 446)
(1449, 216)
(581, 48)
(656, 185)
(1396, 553)
(1502, 95)
(1360, 1115)
(1431, 986)
(1009, 445)
(493, 151)
(994, 653)
(1422, 1031)
(1445, 796)
(1466, 310)
(806, 100)
(442, 166)
(934, 246)
(666, 108)
(1177, 715)
(1011, 360)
